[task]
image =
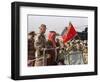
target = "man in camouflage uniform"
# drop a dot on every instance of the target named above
(40, 43)
(31, 49)
(85, 52)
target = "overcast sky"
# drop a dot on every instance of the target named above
(56, 23)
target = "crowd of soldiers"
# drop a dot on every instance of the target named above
(77, 51)
(43, 52)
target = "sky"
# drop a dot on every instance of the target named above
(56, 23)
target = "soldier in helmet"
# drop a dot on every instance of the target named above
(40, 43)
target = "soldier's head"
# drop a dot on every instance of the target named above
(42, 28)
(32, 33)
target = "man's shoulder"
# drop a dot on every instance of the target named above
(38, 34)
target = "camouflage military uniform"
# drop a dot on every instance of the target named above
(85, 56)
(40, 43)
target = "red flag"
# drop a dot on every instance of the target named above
(69, 34)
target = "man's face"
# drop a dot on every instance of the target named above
(42, 29)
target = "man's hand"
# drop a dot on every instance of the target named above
(43, 49)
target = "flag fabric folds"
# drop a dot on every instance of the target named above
(69, 34)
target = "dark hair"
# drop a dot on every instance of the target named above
(43, 25)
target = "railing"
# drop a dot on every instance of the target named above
(67, 56)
